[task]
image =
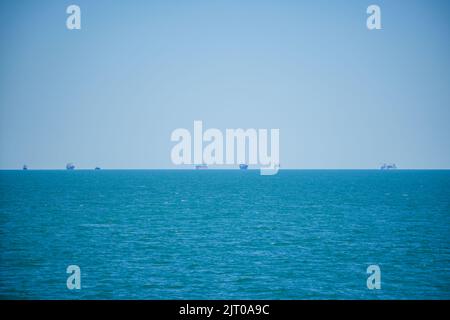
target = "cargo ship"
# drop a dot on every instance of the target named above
(70, 166)
(201, 167)
(243, 166)
(388, 166)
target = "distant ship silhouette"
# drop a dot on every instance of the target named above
(243, 166)
(70, 166)
(388, 166)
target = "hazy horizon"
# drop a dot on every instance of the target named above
(224, 168)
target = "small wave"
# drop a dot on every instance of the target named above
(96, 225)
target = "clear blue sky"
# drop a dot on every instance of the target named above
(111, 93)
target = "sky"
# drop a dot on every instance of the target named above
(111, 94)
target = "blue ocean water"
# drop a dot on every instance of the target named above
(225, 234)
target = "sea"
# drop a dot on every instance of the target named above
(225, 234)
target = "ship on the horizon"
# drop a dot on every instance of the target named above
(243, 166)
(25, 167)
(201, 167)
(97, 168)
(388, 166)
(70, 166)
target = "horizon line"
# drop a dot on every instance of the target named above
(211, 169)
